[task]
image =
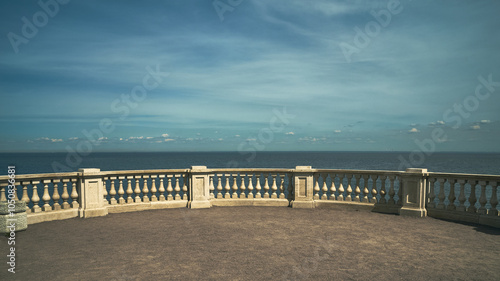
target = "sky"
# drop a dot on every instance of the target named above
(249, 75)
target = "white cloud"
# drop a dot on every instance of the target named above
(149, 138)
(440, 122)
(475, 127)
(337, 131)
(237, 136)
(165, 135)
(485, 121)
(290, 133)
(169, 140)
(56, 140)
(413, 130)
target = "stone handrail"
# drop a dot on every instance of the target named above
(463, 197)
(414, 192)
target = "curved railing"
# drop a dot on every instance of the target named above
(91, 192)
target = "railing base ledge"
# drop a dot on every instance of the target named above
(204, 204)
(303, 204)
(90, 213)
(413, 212)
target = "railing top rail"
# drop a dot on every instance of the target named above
(465, 176)
(144, 172)
(371, 172)
(246, 170)
(26, 177)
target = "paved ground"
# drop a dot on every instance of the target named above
(254, 243)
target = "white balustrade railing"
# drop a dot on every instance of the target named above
(464, 197)
(372, 187)
(91, 192)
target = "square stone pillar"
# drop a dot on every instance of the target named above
(91, 194)
(199, 192)
(303, 187)
(413, 183)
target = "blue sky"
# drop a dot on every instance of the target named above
(249, 75)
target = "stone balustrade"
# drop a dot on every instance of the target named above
(415, 192)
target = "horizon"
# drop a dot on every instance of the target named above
(249, 76)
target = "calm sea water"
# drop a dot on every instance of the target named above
(29, 163)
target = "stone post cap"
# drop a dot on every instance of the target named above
(303, 167)
(198, 167)
(89, 171)
(416, 170)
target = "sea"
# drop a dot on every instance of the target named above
(447, 162)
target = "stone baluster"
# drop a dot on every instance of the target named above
(3, 187)
(161, 189)
(235, 187)
(374, 189)
(74, 194)
(242, 187)
(349, 188)
(129, 190)
(25, 197)
(383, 192)
(177, 188)
(282, 194)
(137, 189)
(65, 194)
(258, 188)
(432, 193)
(211, 186)
(266, 186)
(441, 195)
(357, 190)
(472, 197)
(274, 188)
(169, 188)
(494, 199)
(154, 198)
(341, 188)
(461, 196)
(35, 198)
(227, 187)
(482, 199)
(316, 188)
(121, 192)
(219, 186)
(333, 189)
(46, 196)
(112, 191)
(250, 187)
(55, 195)
(391, 190)
(451, 196)
(324, 189)
(145, 189)
(365, 189)
(185, 187)
(105, 191)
